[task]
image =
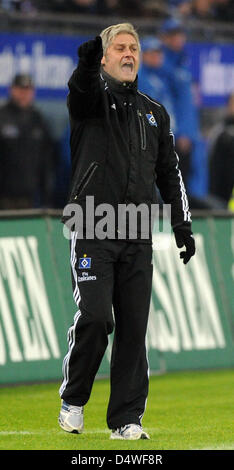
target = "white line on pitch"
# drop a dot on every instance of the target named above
(92, 431)
(8, 433)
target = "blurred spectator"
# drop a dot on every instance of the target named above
(180, 7)
(173, 37)
(220, 10)
(10, 4)
(221, 156)
(26, 150)
(203, 9)
(158, 81)
(154, 78)
(26, 6)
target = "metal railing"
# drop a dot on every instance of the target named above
(92, 24)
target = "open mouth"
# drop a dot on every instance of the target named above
(128, 67)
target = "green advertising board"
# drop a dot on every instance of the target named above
(191, 322)
(192, 311)
(32, 311)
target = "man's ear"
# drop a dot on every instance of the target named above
(103, 61)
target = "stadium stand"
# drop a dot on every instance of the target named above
(211, 33)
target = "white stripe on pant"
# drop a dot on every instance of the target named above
(72, 329)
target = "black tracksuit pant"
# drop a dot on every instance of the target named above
(119, 274)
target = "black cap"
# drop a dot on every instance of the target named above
(23, 80)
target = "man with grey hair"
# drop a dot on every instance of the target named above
(121, 146)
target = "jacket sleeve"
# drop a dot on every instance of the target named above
(168, 176)
(84, 98)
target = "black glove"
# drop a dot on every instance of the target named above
(184, 237)
(91, 52)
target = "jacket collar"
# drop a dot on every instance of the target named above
(116, 85)
(16, 107)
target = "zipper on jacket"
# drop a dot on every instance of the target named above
(142, 129)
(86, 179)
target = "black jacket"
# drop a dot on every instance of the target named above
(26, 155)
(121, 145)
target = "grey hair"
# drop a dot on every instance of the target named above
(109, 33)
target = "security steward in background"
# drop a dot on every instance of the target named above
(26, 150)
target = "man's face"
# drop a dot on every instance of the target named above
(153, 58)
(175, 40)
(122, 58)
(23, 96)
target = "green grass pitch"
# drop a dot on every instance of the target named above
(185, 410)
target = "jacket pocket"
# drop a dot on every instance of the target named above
(79, 188)
(142, 129)
(85, 180)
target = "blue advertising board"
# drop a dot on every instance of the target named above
(212, 68)
(51, 59)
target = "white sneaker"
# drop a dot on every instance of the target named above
(71, 418)
(130, 431)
